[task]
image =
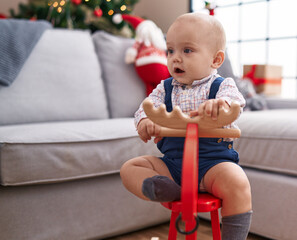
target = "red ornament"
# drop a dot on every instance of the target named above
(210, 6)
(2, 16)
(98, 12)
(34, 18)
(76, 2)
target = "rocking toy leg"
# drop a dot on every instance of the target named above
(172, 230)
(215, 224)
(190, 226)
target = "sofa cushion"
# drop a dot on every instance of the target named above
(61, 80)
(268, 140)
(125, 90)
(61, 151)
(18, 38)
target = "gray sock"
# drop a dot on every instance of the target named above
(161, 189)
(236, 227)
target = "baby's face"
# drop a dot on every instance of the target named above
(190, 52)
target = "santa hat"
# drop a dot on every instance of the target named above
(134, 21)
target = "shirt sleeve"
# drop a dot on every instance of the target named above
(230, 93)
(158, 98)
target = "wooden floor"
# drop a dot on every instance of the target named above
(160, 232)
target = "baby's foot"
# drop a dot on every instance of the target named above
(161, 189)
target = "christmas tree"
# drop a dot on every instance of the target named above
(82, 14)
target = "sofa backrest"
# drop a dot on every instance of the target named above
(60, 81)
(124, 89)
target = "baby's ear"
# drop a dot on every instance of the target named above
(218, 59)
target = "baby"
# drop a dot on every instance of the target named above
(195, 44)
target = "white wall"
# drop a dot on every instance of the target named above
(6, 5)
(162, 12)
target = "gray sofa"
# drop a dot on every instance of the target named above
(268, 153)
(66, 127)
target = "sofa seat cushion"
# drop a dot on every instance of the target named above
(61, 151)
(268, 140)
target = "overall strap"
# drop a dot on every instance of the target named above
(215, 87)
(168, 90)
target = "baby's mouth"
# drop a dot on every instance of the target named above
(178, 70)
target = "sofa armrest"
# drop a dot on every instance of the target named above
(280, 103)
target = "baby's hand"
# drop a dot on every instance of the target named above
(210, 108)
(146, 129)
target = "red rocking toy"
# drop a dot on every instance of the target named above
(177, 124)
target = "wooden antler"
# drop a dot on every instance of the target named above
(175, 122)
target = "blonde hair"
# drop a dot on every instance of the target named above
(214, 28)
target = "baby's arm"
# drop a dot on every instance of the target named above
(145, 127)
(228, 92)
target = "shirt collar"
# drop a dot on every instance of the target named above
(197, 82)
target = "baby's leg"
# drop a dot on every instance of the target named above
(149, 178)
(229, 182)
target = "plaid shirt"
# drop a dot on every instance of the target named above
(188, 98)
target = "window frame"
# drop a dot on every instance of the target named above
(267, 40)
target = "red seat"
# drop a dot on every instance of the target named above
(190, 204)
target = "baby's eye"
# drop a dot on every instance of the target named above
(170, 51)
(187, 50)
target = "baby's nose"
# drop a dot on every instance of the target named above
(177, 58)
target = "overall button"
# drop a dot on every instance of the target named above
(230, 146)
(220, 140)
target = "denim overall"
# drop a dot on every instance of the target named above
(211, 150)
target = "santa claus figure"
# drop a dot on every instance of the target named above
(148, 52)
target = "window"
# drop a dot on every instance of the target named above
(260, 32)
